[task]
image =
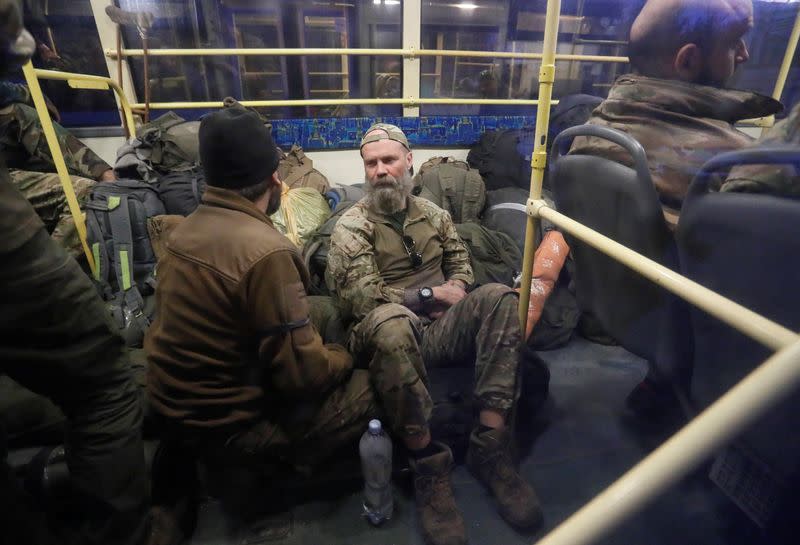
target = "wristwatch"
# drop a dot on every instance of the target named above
(425, 295)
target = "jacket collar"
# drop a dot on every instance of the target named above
(690, 99)
(413, 213)
(224, 198)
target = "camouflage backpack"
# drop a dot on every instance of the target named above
(172, 143)
(297, 170)
(453, 186)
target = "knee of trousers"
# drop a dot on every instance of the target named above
(388, 326)
(489, 296)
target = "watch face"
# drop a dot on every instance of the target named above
(426, 293)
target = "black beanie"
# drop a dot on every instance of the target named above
(236, 149)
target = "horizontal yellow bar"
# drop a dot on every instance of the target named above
(739, 408)
(758, 121)
(338, 102)
(67, 76)
(411, 53)
(88, 84)
(753, 325)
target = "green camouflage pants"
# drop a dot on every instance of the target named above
(45, 193)
(480, 332)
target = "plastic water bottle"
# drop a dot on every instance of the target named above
(375, 449)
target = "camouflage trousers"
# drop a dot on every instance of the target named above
(393, 347)
(45, 193)
(481, 333)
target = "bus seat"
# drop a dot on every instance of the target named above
(621, 203)
(745, 247)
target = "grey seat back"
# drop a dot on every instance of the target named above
(747, 248)
(621, 203)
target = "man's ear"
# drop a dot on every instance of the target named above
(688, 63)
(276, 180)
(410, 160)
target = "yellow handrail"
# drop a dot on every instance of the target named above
(409, 53)
(731, 414)
(786, 65)
(58, 159)
(547, 74)
(753, 325)
(32, 76)
(130, 128)
(341, 102)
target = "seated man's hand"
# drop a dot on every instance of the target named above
(444, 297)
(108, 176)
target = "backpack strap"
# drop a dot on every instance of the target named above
(120, 219)
(99, 251)
(447, 181)
(474, 197)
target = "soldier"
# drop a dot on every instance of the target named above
(32, 168)
(677, 103)
(55, 339)
(779, 180)
(400, 270)
(678, 106)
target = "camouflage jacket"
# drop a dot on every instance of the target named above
(680, 125)
(369, 265)
(773, 179)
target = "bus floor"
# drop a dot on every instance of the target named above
(581, 441)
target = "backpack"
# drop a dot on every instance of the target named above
(503, 158)
(494, 255)
(171, 142)
(181, 191)
(453, 186)
(315, 251)
(297, 170)
(116, 220)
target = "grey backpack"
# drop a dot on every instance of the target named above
(116, 221)
(453, 186)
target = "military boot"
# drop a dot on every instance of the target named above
(441, 521)
(489, 460)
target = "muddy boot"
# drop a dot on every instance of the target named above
(489, 460)
(441, 521)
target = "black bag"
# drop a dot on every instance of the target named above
(116, 220)
(181, 191)
(503, 158)
(494, 255)
(454, 413)
(571, 110)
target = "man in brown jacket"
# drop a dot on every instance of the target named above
(235, 361)
(232, 350)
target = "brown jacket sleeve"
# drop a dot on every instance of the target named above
(296, 362)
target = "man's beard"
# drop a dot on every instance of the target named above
(274, 201)
(389, 197)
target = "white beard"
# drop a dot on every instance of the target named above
(389, 199)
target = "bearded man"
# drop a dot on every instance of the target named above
(399, 269)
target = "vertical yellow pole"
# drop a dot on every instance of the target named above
(58, 158)
(539, 157)
(783, 73)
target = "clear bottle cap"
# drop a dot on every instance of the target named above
(375, 427)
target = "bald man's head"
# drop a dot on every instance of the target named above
(700, 41)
